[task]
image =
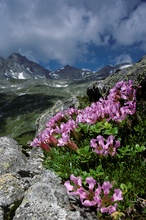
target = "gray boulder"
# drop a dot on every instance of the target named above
(47, 199)
(29, 191)
(11, 157)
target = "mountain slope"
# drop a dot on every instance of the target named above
(70, 73)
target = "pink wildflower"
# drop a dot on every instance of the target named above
(105, 148)
(91, 182)
(77, 184)
(117, 196)
(106, 186)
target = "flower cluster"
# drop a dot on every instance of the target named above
(61, 129)
(120, 102)
(95, 195)
(58, 130)
(105, 148)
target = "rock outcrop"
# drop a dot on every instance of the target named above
(29, 191)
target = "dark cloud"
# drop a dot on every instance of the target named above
(63, 30)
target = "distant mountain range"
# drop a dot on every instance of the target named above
(17, 66)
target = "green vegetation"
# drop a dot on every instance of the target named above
(125, 169)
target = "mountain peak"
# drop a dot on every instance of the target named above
(69, 67)
(19, 67)
(17, 58)
(15, 55)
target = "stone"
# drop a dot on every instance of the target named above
(11, 189)
(11, 157)
(31, 192)
(45, 199)
(48, 199)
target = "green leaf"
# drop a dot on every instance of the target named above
(83, 151)
(83, 126)
(107, 125)
(123, 188)
(113, 131)
(125, 150)
(140, 148)
(96, 128)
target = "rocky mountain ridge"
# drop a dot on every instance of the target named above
(17, 66)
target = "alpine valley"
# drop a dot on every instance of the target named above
(27, 90)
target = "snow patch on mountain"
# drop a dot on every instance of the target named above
(29, 70)
(21, 75)
(55, 76)
(83, 73)
(87, 70)
(39, 77)
(17, 75)
(59, 85)
(125, 66)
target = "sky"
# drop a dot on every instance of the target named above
(82, 33)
